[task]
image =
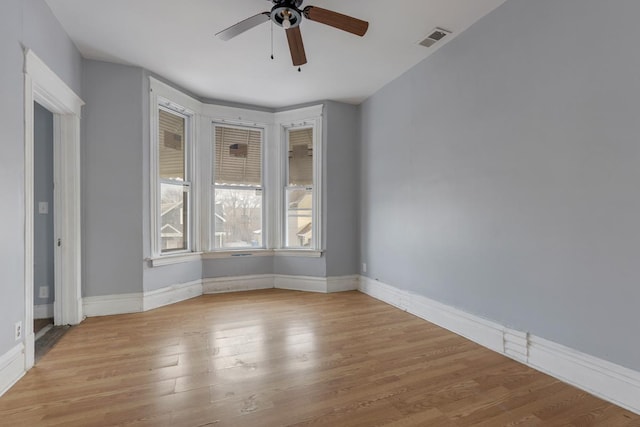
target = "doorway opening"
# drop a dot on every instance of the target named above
(45, 256)
(43, 221)
(57, 108)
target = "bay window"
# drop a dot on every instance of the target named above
(252, 188)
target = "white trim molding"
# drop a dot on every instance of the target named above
(601, 378)
(108, 305)
(43, 311)
(12, 367)
(42, 85)
(343, 283)
(174, 259)
(221, 285)
(300, 283)
(139, 302)
(171, 295)
(280, 281)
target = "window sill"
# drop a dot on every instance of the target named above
(237, 253)
(303, 253)
(194, 256)
(175, 259)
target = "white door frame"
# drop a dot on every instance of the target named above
(44, 87)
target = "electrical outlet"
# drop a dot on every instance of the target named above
(18, 331)
(43, 208)
(44, 292)
(364, 267)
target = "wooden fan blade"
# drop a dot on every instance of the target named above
(337, 20)
(242, 26)
(296, 46)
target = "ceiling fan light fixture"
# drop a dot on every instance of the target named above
(286, 16)
(286, 22)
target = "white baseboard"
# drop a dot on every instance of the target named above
(601, 378)
(43, 311)
(343, 283)
(112, 304)
(171, 295)
(138, 302)
(279, 281)
(11, 367)
(300, 283)
(237, 284)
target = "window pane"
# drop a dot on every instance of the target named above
(300, 157)
(299, 208)
(238, 156)
(238, 218)
(174, 203)
(172, 153)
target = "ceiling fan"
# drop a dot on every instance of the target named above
(288, 15)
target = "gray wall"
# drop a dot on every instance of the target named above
(112, 178)
(22, 23)
(340, 209)
(237, 266)
(161, 277)
(341, 188)
(44, 35)
(43, 245)
(501, 174)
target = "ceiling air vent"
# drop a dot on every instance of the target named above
(435, 36)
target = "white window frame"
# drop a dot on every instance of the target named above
(243, 118)
(305, 118)
(165, 97)
(263, 187)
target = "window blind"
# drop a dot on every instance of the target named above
(300, 157)
(171, 140)
(238, 156)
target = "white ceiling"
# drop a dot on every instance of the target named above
(175, 39)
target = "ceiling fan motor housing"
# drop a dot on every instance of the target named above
(287, 9)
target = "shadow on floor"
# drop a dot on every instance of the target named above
(49, 339)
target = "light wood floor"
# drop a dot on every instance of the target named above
(280, 358)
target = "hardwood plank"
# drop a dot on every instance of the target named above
(274, 357)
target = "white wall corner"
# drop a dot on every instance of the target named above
(601, 378)
(383, 292)
(237, 283)
(43, 311)
(343, 283)
(12, 367)
(300, 283)
(171, 294)
(112, 304)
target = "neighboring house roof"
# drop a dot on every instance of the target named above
(170, 207)
(169, 230)
(304, 231)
